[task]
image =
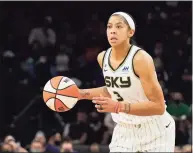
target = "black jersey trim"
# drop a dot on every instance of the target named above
(133, 64)
(121, 62)
(103, 60)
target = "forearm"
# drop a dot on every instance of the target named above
(93, 92)
(142, 108)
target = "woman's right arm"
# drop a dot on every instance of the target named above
(95, 92)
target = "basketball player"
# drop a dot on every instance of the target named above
(132, 93)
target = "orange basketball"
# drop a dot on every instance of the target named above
(60, 94)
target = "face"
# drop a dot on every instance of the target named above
(41, 138)
(7, 148)
(57, 139)
(94, 148)
(118, 30)
(177, 149)
(36, 147)
(187, 149)
(66, 147)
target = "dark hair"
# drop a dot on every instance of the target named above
(50, 133)
(66, 139)
(133, 41)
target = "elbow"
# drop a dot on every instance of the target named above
(161, 109)
(161, 112)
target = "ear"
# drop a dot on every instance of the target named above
(130, 33)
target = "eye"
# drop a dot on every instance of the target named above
(108, 26)
(119, 27)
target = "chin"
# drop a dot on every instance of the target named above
(115, 44)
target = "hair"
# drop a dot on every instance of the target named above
(50, 134)
(125, 21)
(66, 139)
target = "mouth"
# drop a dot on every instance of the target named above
(113, 38)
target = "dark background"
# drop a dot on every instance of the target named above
(162, 29)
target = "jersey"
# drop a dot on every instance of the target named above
(124, 85)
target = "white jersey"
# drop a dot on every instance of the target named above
(124, 85)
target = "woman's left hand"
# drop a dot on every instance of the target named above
(105, 104)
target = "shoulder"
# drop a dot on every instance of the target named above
(101, 55)
(142, 56)
(143, 62)
(100, 58)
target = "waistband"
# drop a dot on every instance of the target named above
(127, 125)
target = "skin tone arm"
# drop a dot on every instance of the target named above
(95, 92)
(144, 68)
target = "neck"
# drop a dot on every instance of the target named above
(118, 52)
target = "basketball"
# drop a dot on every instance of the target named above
(60, 94)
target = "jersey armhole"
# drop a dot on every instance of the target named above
(133, 64)
(103, 60)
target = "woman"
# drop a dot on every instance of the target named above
(132, 93)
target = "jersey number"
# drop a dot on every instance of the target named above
(119, 98)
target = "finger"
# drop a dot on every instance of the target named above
(100, 111)
(99, 106)
(100, 98)
(99, 102)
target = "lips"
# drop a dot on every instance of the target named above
(113, 38)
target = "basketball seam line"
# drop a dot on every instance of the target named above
(65, 87)
(66, 96)
(59, 94)
(49, 99)
(58, 89)
(52, 85)
(62, 103)
(50, 91)
(55, 94)
(54, 101)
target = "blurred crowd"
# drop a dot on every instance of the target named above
(40, 40)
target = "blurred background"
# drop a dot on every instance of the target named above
(40, 40)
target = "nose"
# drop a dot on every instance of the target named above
(113, 31)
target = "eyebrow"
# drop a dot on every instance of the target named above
(116, 23)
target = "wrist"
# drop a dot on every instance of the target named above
(83, 94)
(121, 107)
(124, 107)
(80, 97)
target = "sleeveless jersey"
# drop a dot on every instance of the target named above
(124, 85)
